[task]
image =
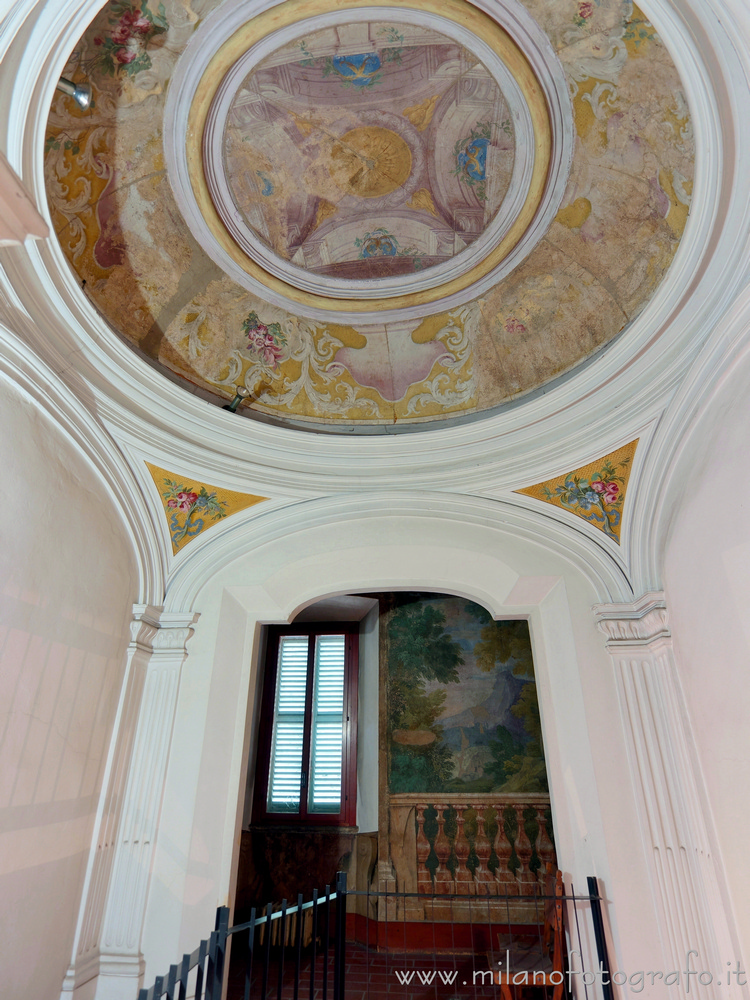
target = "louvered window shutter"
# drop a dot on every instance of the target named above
(285, 774)
(307, 747)
(327, 731)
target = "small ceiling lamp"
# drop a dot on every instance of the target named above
(80, 92)
(240, 393)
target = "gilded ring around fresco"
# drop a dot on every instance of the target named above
(297, 170)
(458, 119)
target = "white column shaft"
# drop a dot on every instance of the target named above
(668, 789)
(108, 938)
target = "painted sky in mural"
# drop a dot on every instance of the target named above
(462, 711)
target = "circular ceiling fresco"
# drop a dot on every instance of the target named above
(303, 162)
(367, 214)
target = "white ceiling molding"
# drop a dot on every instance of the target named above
(19, 217)
(674, 445)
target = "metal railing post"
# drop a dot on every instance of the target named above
(222, 926)
(211, 966)
(601, 943)
(339, 944)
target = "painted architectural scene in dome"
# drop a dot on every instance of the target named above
(590, 274)
(369, 149)
(461, 707)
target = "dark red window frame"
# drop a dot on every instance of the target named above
(348, 813)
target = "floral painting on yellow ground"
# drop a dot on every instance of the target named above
(190, 506)
(595, 492)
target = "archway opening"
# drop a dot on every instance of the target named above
(452, 796)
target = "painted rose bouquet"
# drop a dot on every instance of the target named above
(132, 29)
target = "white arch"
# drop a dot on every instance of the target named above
(88, 438)
(265, 571)
(262, 531)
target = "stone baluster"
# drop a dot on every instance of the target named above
(482, 849)
(442, 848)
(503, 850)
(462, 850)
(424, 878)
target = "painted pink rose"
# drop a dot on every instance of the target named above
(121, 34)
(609, 491)
(140, 23)
(265, 346)
(585, 8)
(125, 55)
(271, 355)
(513, 325)
(98, 40)
(612, 492)
(184, 501)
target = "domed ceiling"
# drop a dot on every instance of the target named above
(367, 214)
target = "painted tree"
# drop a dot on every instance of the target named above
(419, 651)
(521, 767)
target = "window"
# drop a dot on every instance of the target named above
(307, 752)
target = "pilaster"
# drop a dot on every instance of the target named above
(668, 789)
(107, 962)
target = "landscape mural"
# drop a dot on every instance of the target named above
(461, 704)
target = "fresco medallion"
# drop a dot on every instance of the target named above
(402, 156)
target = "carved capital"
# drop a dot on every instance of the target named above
(155, 630)
(638, 624)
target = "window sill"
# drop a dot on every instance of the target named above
(301, 828)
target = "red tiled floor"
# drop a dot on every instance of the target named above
(372, 975)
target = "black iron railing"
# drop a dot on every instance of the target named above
(208, 962)
(403, 941)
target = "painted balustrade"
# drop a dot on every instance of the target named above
(500, 845)
(442, 847)
(483, 851)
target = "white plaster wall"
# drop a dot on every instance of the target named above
(67, 585)
(707, 583)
